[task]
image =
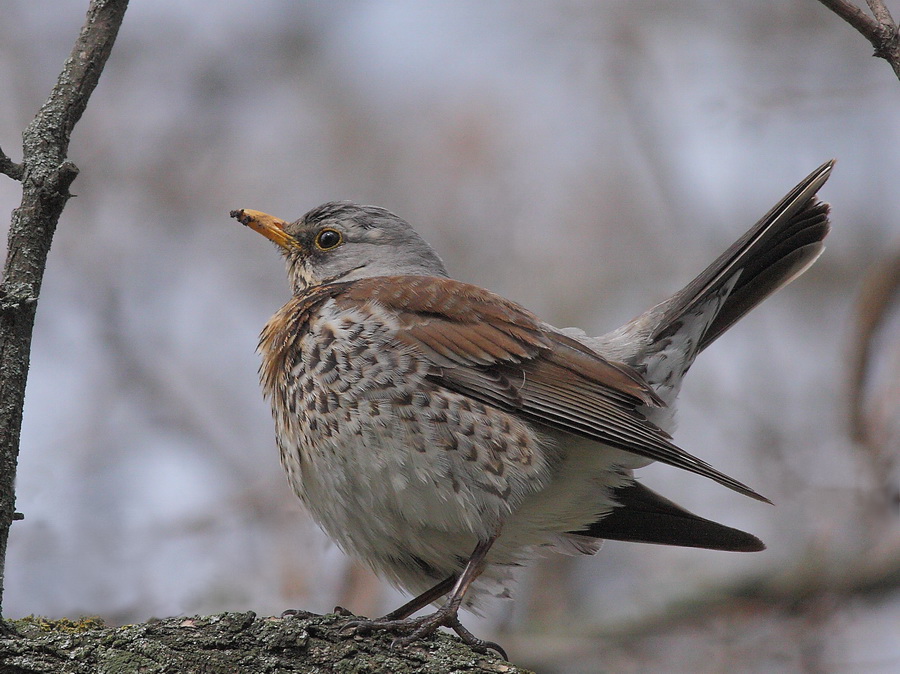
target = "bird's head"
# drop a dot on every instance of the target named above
(342, 241)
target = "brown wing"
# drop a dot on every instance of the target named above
(495, 351)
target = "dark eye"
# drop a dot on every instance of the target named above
(328, 239)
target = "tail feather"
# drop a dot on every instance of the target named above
(777, 249)
(789, 258)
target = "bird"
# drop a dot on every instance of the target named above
(444, 435)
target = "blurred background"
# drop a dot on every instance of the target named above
(585, 159)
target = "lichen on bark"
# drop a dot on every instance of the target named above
(229, 643)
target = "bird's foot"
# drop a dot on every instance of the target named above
(410, 630)
(298, 613)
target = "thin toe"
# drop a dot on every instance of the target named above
(473, 642)
(297, 613)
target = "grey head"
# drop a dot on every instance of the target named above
(343, 241)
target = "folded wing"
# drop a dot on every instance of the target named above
(495, 351)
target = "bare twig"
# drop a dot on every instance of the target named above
(854, 16)
(46, 175)
(9, 167)
(881, 12)
(881, 31)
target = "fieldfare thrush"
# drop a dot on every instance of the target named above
(442, 434)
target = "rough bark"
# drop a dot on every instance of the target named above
(46, 174)
(229, 643)
(879, 29)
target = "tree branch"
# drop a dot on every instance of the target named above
(9, 167)
(881, 12)
(854, 16)
(230, 642)
(881, 31)
(46, 175)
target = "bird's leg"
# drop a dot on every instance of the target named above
(423, 600)
(448, 614)
(428, 596)
(413, 629)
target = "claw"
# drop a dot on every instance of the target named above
(411, 630)
(476, 644)
(365, 626)
(357, 626)
(297, 613)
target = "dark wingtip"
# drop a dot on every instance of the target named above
(643, 516)
(753, 544)
(760, 497)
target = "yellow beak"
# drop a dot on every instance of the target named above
(268, 225)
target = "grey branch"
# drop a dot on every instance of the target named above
(881, 30)
(46, 174)
(9, 167)
(230, 642)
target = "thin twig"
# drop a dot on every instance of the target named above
(881, 31)
(9, 167)
(881, 12)
(854, 16)
(46, 175)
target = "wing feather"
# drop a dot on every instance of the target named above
(495, 351)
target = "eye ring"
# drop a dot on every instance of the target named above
(329, 239)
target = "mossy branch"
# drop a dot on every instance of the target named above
(229, 642)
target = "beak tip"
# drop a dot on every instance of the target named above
(268, 225)
(241, 216)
